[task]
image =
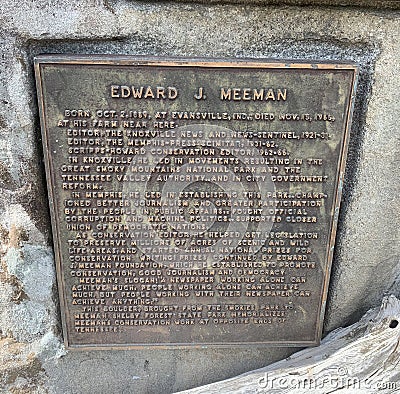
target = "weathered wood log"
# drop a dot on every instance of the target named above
(361, 358)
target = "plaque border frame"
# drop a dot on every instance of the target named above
(199, 62)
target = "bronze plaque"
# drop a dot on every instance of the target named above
(193, 202)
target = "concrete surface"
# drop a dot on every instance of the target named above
(366, 264)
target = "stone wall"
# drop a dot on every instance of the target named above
(366, 264)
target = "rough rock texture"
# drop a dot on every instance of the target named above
(380, 4)
(363, 357)
(366, 264)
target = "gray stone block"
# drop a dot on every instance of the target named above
(366, 264)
